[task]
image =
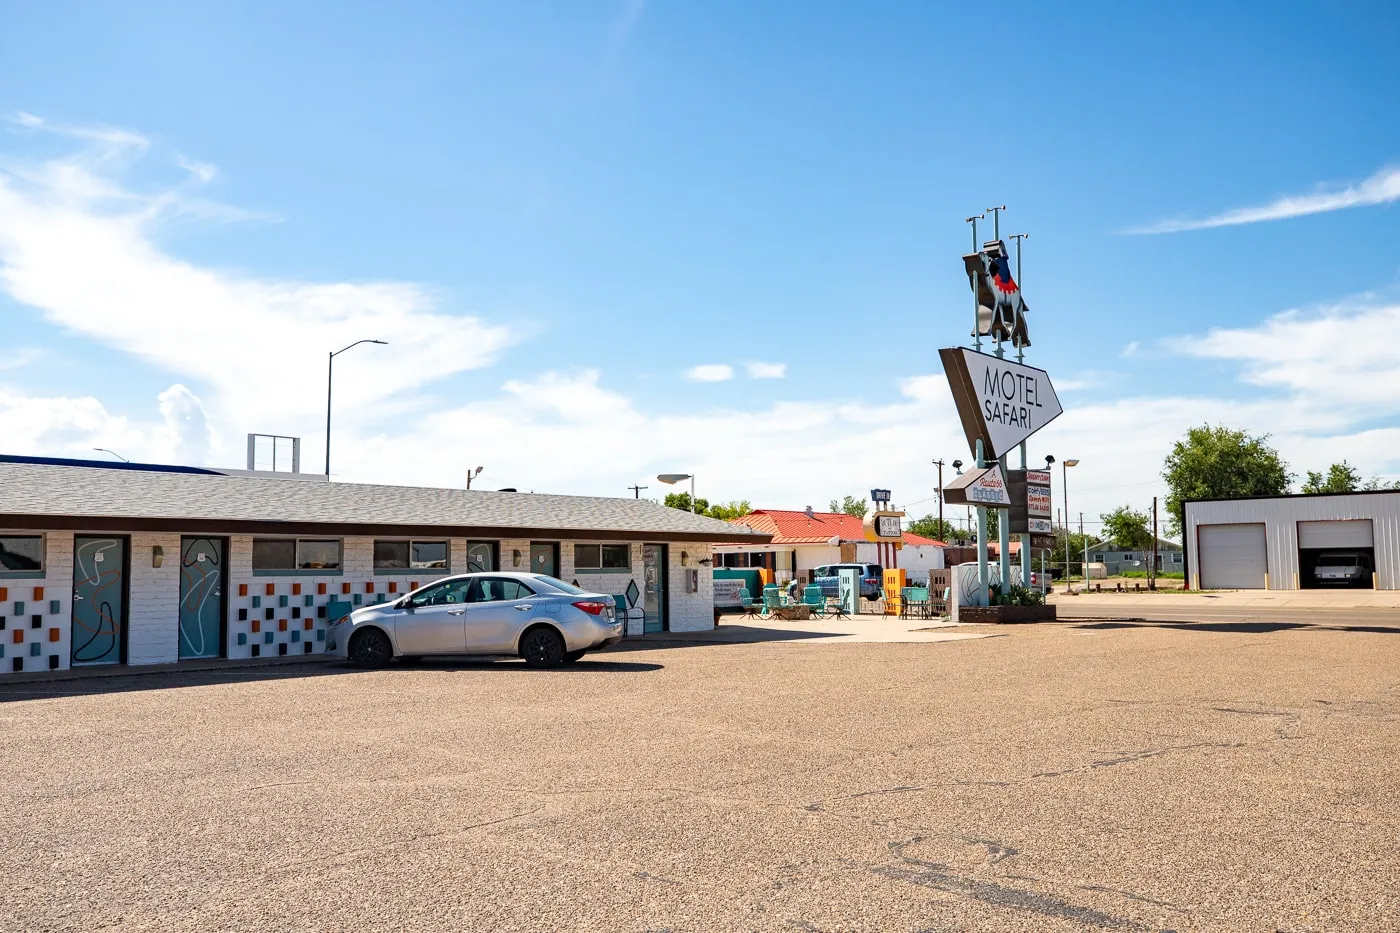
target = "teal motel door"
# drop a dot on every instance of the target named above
(544, 558)
(202, 588)
(654, 587)
(99, 600)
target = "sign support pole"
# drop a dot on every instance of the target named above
(982, 573)
(1021, 358)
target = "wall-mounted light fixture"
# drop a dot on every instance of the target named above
(157, 556)
(515, 556)
(705, 561)
(685, 559)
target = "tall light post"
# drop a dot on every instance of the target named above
(939, 463)
(104, 450)
(671, 479)
(1064, 474)
(471, 476)
(330, 369)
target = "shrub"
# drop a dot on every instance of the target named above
(1163, 575)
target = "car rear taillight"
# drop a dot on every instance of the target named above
(872, 579)
(592, 607)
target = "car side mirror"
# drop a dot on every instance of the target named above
(402, 603)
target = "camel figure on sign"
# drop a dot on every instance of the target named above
(1001, 312)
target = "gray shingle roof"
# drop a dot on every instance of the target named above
(31, 492)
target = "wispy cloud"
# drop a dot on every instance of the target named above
(203, 172)
(710, 372)
(1381, 188)
(623, 24)
(1130, 349)
(19, 357)
(86, 250)
(766, 370)
(109, 136)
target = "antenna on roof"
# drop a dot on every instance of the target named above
(809, 513)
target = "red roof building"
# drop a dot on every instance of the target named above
(817, 528)
(802, 541)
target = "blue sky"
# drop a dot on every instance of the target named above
(556, 212)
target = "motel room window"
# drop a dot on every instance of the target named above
(21, 554)
(601, 557)
(293, 555)
(481, 556)
(410, 555)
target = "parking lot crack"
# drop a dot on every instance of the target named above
(410, 840)
(939, 877)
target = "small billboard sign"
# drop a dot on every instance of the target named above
(979, 486)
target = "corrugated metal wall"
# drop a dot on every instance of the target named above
(1281, 518)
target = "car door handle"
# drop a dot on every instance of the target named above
(524, 607)
(456, 612)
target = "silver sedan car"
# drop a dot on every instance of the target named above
(541, 619)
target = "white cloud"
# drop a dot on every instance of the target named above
(74, 427)
(77, 245)
(1316, 357)
(1130, 350)
(710, 372)
(767, 370)
(19, 357)
(1381, 188)
(203, 172)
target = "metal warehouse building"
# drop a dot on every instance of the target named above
(1284, 542)
(104, 564)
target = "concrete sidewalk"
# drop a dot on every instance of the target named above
(863, 627)
(1233, 599)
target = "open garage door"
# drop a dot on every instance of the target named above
(1232, 557)
(1338, 553)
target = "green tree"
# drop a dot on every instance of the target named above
(735, 508)
(851, 506)
(931, 526)
(1220, 463)
(1055, 557)
(1341, 477)
(1128, 528)
(681, 500)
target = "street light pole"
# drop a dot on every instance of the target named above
(939, 463)
(1064, 472)
(330, 372)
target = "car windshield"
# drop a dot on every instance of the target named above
(560, 585)
(1339, 560)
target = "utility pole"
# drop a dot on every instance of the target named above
(1085, 541)
(1152, 569)
(637, 491)
(939, 463)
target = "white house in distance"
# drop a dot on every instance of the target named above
(804, 540)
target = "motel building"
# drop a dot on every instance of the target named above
(133, 564)
(1314, 541)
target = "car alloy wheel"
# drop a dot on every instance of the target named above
(542, 647)
(370, 648)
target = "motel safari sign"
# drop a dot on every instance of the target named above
(1000, 402)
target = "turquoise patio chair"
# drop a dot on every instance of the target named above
(772, 599)
(813, 599)
(752, 607)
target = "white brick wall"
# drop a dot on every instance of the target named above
(691, 612)
(18, 607)
(153, 601)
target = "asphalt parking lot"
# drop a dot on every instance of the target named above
(1103, 775)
